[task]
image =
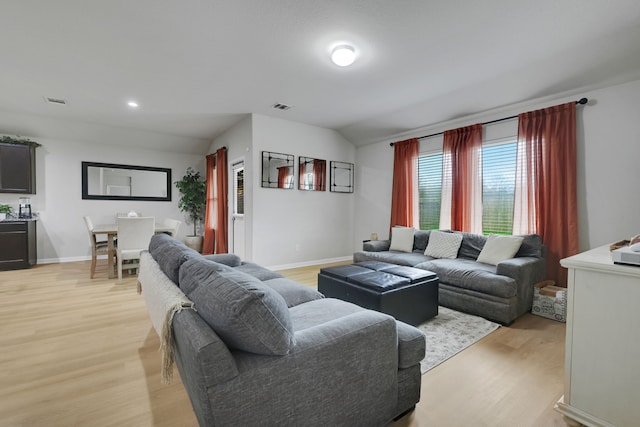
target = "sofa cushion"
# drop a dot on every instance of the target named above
(531, 246)
(499, 248)
(170, 255)
(293, 293)
(232, 260)
(257, 271)
(420, 240)
(468, 274)
(400, 258)
(443, 245)
(471, 245)
(160, 239)
(402, 239)
(247, 314)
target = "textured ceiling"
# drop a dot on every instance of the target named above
(197, 67)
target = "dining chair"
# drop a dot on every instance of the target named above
(98, 247)
(134, 235)
(173, 224)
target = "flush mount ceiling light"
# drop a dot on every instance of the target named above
(133, 104)
(343, 55)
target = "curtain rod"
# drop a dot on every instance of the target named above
(581, 101)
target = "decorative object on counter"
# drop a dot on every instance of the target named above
(4, 210)
(341, 177)
(24, 208)
(374, 236)
(192, 201)
(277, 170)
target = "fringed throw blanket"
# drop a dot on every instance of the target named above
(163, 300)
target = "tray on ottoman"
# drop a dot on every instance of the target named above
(406, 293)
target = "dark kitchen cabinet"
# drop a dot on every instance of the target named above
(17, 168)
(17, 244)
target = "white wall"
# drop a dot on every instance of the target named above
(239, 142)
(608, 150)
(286, 228)
(62, 235)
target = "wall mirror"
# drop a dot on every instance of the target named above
(107, 181)
(277, 170)
(341, 177)
(312, 174)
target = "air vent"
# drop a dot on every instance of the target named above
(282, 107)
(57, 101)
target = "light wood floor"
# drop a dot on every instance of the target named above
(82, 352)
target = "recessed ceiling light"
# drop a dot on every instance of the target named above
(343, 55)
(133, 104)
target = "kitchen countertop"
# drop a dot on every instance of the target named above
(14, 218)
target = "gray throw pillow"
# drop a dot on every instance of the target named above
(232, 260)
(245, 313)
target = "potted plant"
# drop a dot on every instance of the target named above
(4, 210)
(192, 201)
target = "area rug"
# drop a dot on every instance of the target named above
(449, 333)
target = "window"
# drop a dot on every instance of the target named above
(238, 188)
(498, 186)
(430, 190)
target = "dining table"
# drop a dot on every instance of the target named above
(111, 231)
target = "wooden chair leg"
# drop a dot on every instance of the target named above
(93, 265)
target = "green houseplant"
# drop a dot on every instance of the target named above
(4, 210)
(192, 201)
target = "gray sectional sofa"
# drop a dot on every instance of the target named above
(499, 292)
(261, 350)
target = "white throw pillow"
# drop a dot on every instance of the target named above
(402, 239)
(499, 248)
(443, 245)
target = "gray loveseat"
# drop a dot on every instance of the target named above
(262, 350)
(499, 292)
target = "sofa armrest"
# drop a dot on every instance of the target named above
(411, 345)
(376, 245)
(524, 270)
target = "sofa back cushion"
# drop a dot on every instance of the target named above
(420, 240)
(170, 254)
(247, 314)
(471, 245)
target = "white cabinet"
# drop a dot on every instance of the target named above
(602, 358)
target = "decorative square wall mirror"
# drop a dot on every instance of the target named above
(341, 177)
(312, 174)
(277, 170)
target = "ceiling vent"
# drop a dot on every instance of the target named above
(282, 107)
(57, 101)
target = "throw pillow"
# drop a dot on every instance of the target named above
(402, 239)
(499, 248)
(443, 245)
(247, 314)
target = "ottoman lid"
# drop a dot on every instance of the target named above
(413, 274)
(344, 271)
(379, 280)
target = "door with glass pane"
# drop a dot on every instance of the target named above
(237, 217)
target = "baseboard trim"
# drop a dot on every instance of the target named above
(68, 259)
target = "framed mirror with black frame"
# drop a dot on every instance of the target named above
(341, 177)
(111, 181)
(312, 174)
(277, 170)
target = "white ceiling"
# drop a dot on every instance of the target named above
(197, 67)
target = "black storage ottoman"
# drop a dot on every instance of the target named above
(406, 293)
